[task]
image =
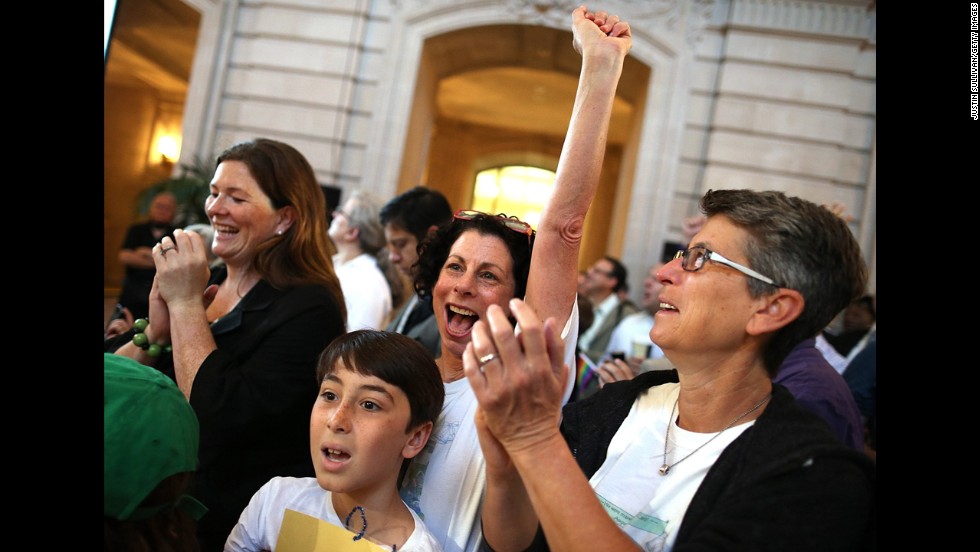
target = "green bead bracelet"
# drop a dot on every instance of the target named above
(143, 342)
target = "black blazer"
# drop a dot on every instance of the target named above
(253, 397)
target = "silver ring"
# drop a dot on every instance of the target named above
(163, 250)
(485, 359)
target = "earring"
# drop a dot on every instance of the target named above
(279, 232)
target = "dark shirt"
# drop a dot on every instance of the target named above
(419, 314)
(846, 340)
(135, 291)
(421, 325)
(861, 376)
(818, 388)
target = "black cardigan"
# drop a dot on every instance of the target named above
(786, 483)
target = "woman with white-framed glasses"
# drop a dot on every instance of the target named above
(714, 456)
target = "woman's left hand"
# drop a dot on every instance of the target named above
(182, 268)
(520, 387)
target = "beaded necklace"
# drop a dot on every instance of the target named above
(363, 530)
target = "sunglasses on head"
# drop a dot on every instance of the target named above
(512, 222)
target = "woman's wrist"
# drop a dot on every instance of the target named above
(143, 339)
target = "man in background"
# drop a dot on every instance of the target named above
(408, 219)
(603, 281)
(632, 335)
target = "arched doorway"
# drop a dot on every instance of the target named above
(502, 95)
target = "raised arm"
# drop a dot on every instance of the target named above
(603, 41)
(509, 518)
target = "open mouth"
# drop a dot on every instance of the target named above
(335, 455)
(459, 321)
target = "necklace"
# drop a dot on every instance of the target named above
(665, 468)
(363, 530)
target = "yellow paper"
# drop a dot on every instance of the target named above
(303, 533)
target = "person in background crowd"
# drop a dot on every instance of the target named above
(632, 336)
(242, 341)
(149, 454)
(817, 387)
(742, 465)
(358, 236)
(859, 316)
(603, 281)
(479, 260)
(408, 220)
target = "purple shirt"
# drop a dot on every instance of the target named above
(818, 388)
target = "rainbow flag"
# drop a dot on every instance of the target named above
(585, 372)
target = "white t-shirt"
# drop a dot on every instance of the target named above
(258, 526)
(647, 506)
(367, 294)
(445, 482)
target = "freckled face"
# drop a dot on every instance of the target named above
(402, 248)
(240, 212)
(479, 272)
(709, 309)
(357, 432)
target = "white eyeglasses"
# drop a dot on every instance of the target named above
(693, 258)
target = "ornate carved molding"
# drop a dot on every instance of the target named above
(672, 20)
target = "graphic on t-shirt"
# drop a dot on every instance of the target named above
(414, 480)
(645, 529)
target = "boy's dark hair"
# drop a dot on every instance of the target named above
(394, 358)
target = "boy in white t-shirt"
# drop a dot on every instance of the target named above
(380, 394)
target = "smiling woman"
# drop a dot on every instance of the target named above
(245, 337)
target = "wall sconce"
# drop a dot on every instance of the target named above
(169, 149)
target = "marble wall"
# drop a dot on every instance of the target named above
(764, 94)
